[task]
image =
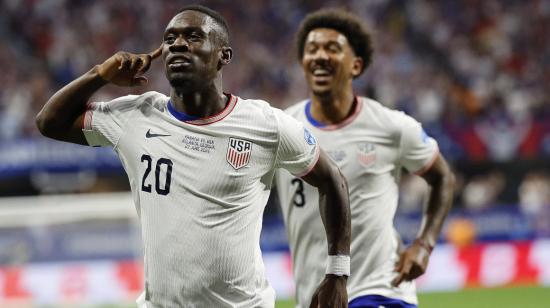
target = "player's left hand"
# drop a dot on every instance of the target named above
(331, 293)
(412, 263)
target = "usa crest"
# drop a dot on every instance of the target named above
(366, 154)
(238, 152)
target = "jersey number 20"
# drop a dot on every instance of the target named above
(168, 179)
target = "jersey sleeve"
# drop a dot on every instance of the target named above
(418, 150)
(104, 121)
(298, 150)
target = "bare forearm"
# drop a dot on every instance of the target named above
(335, 213)
(439, 204)
(67, 104)
(333, 204)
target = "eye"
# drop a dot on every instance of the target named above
(334, 48)
(169, 39)
(310, 49)
(194, 37)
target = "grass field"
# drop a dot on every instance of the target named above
(516, 297)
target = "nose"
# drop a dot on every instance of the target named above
(320, 57)
(321, 54)
(180, 44)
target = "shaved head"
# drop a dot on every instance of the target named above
(217, 19)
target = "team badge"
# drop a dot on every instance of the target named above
(336, 155)
(309, 137)
(238, 152)
(366, 154)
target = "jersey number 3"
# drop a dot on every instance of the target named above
(167, 179)
(299, 199)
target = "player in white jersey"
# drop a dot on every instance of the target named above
(200, 165)
(371, 144)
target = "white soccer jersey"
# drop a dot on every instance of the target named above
(370, 148)
(200, 187)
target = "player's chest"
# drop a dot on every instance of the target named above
(200, 153)
(360, 153)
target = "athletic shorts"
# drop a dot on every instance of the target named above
(378, 301)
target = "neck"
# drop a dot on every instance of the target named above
(204, 102)
(332, 109)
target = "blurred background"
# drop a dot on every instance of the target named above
(475, 73)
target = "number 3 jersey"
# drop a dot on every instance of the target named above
(200, 187)
(370, 147)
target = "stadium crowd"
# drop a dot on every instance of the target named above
(473, 72)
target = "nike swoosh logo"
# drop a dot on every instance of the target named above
(151, 135)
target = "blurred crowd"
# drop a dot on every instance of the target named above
(475, 73)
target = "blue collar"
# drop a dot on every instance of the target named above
(182, 116)
(310, 117)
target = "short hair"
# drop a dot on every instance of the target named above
(342, 21)
(218, 18)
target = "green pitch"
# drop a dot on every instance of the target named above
(516, 297)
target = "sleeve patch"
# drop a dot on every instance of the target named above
(309, 137)
(425, 136)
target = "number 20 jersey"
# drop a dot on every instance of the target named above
(200, 187)
(370, 147)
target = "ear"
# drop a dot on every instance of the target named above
(226, 54)
(357, 66)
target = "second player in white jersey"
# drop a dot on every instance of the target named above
(370, 147)
(371, 144)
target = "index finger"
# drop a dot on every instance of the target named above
(399, 263)
(156, 53)
(397, 281)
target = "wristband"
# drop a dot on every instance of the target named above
(338, 265)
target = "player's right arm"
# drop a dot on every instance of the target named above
(62, 116)
(300, 154)
(336, 217)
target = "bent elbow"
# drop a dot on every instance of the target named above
(449, 179)
(452, 179)
(45, 124)
(41, 123)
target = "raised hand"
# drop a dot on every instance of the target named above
(331, 293)
(127, 69)
(412, 263)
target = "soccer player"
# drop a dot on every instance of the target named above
(371, 144)
(200, 164)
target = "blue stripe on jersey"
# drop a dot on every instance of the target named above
(182, 116)
(310, 117)
(377, 301)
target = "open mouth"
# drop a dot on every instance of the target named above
(177, 63)
(321, 75)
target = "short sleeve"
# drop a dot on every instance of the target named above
(418, 150)
(104, 121)
(298, 150)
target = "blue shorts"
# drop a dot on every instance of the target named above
(378, 301)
